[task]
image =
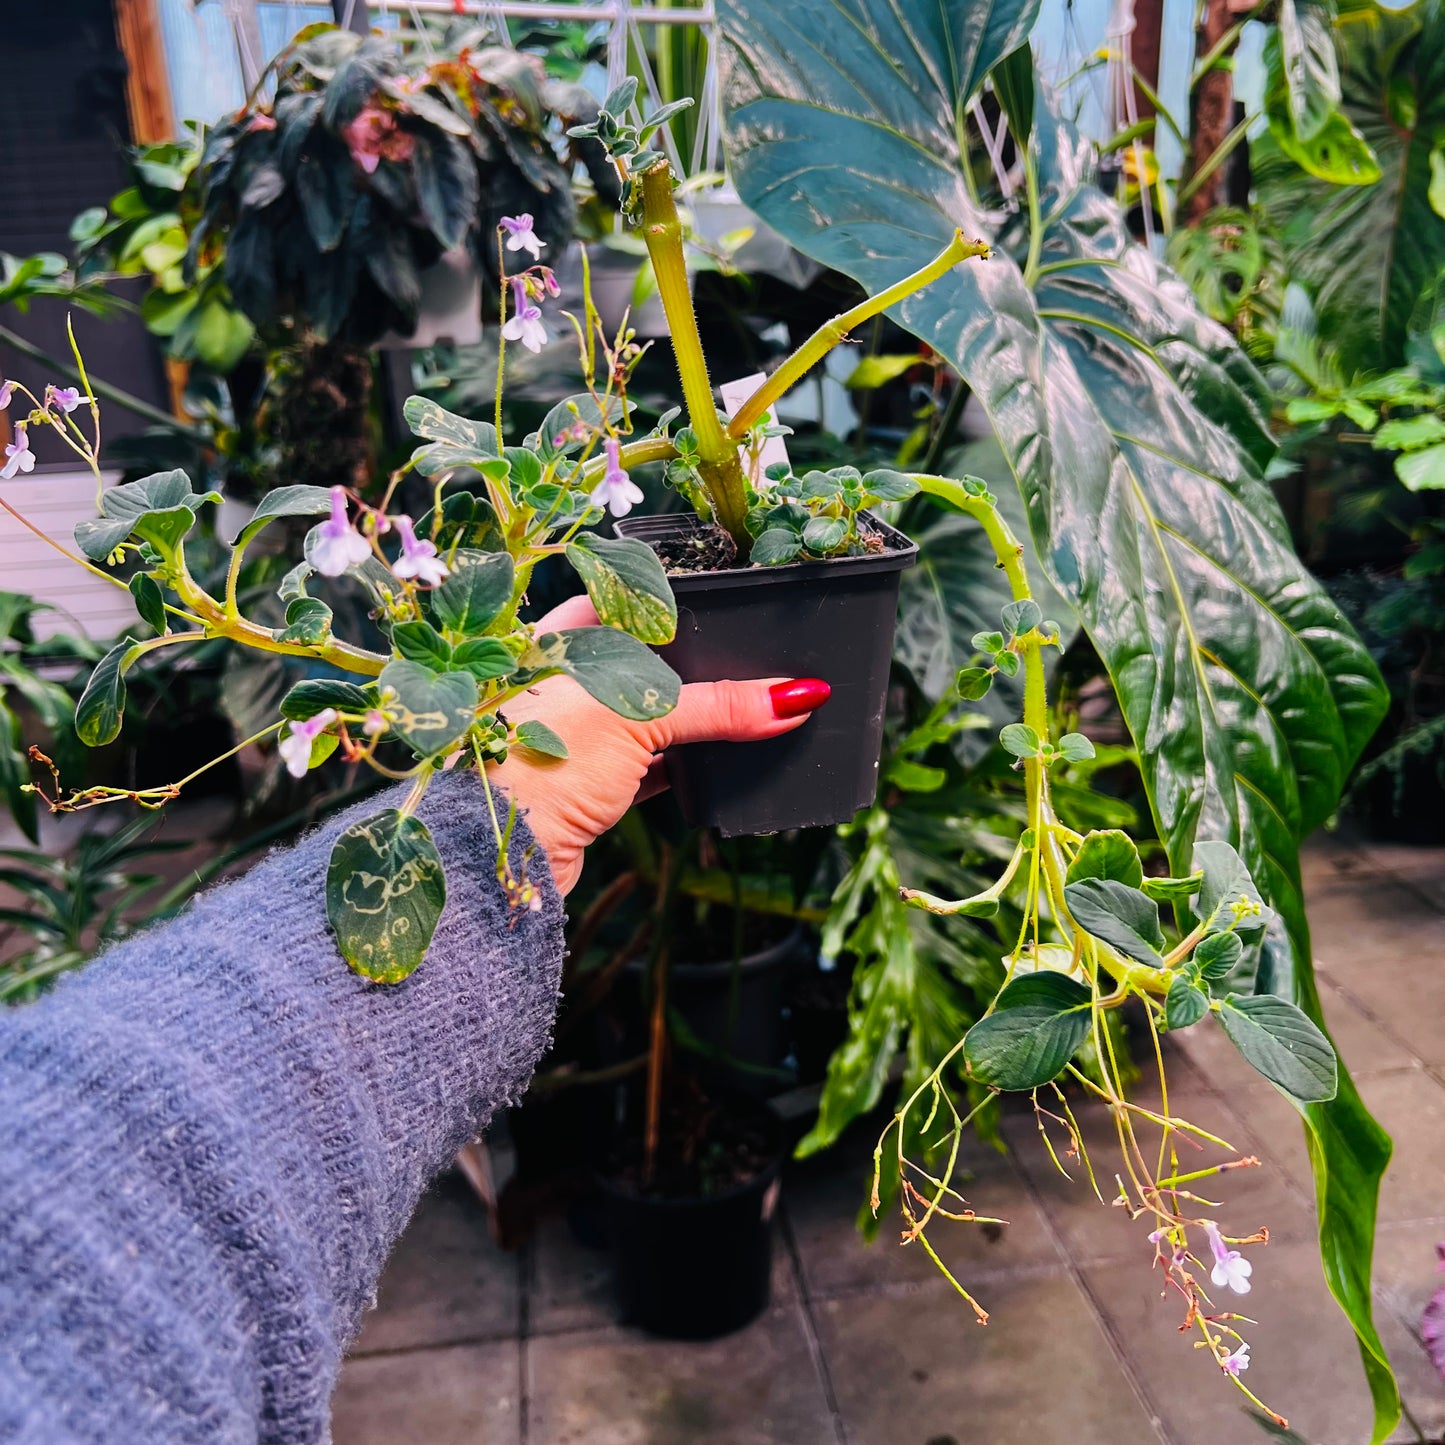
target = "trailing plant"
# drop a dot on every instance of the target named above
(448, 601)
(1136, 431)
(330, 199)
(1089, 940)
(1138, 434)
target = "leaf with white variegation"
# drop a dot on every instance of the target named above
(385, 890)
(627, 585)
(456, 441)
(617, 669)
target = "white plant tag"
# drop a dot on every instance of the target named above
(734, 394)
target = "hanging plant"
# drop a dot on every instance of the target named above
(330, 201)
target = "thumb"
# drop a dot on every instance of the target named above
(739, 712)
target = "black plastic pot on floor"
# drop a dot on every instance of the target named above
(695, 1268)
(832, 620)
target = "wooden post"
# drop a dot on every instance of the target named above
(147, 84)
(1145, 46)
(152, 116)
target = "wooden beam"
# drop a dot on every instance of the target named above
(147, 83)
(1145, 44)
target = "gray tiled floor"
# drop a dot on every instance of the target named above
(867, 1345)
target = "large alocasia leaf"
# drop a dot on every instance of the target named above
(1366, 252)
(1137, 432)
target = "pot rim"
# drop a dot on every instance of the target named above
(654, 527)
(611, 1185)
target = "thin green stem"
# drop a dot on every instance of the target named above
(630, 454)
(101, 388)
(231, 753)
(719, 461)
(831, 333)
(1216, 159)
(1036, 224)
(416, 792)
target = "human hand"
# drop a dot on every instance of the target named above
(613, 762)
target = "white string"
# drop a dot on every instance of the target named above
(237, 12)
(617, 45)
(208, 58)
(993, 146)
(497, 20)
(422, 31)
(1123, 110)
(650, 91)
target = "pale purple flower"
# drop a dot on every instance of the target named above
(374, 723)
(616, 491)
(1237, 1362)
(295, 749)
(7, 390)
(1231, 1268)
(67, 398)
(521, 236)
(1432, 1321)
(550, 284)
(418, 559)
(526, 323)
(18, 456)
(338, 544)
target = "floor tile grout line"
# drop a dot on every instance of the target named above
(810, 1327)
(462, 1342)
(1403, 880)
(1131, 1375)
(1361, 1007)
(1261, 1146)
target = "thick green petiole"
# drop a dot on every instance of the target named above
(720, 458)
(833, 332)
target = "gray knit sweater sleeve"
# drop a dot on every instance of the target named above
(211, 1138)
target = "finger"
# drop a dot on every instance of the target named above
(574, 612)
(654, 781)
(738, 711)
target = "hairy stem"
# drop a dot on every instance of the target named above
(720, 461)
(831, 333)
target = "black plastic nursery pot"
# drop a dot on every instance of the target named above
(833, 620)
(694, 1268)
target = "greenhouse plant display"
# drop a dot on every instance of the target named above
(1132, 424)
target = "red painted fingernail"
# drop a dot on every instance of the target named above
(800, 695)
